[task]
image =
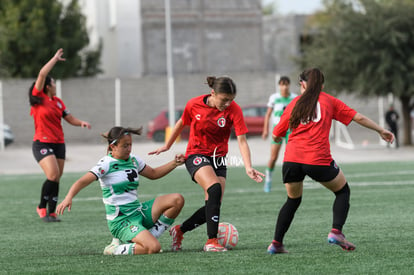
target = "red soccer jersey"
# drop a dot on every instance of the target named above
(309, 143)
(210, 128)
(48, 118)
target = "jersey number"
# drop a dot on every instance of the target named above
(318, 114)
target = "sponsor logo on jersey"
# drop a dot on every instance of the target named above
(198, 116)
(221, 122)
(197, 161)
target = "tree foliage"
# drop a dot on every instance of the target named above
(366, 47)
(32, 30)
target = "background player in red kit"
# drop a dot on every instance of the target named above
(211, 118)
(309, 116)
(48, 141)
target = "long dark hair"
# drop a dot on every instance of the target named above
(35, 100)
(114, 135)
(305, 108)
(222, 84)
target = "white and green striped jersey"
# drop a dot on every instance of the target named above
(119, 183)
(279, 103)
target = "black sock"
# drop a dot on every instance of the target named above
(213, 210)
(341, 207)
(197, 219)
(285, 218)
(46, 193)
(53, 198)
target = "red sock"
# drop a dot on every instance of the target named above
(336, 231)
(276, 243)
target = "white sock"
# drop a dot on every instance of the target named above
(269, 174)
(158, 228)
(125, 249)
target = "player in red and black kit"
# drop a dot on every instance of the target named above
(211, 118)
(309, 116)
(48, 141)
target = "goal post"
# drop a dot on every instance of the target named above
(346, 138)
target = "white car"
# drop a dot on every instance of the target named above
(8, 134)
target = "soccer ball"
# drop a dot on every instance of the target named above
(227, 236)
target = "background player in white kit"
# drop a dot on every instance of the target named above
(276, 105)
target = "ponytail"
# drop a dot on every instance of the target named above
(305, 108)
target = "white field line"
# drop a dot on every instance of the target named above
(308, 184)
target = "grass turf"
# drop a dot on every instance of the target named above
(380, 224)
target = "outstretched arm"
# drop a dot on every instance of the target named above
(44, 71)
(174, 134)
(245, 152)
(77, 122)
(368, 123)
(159, 172)
(81, 183)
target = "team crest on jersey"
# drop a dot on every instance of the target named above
(43, 151)
(221, 122)
(198, 116)
(59, 105)
(133, 228)
(197, 161)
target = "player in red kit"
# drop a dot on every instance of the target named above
(309, 117)
(48, 142)
(211, 118)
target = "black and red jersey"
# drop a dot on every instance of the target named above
(210, 128)
(48, 118)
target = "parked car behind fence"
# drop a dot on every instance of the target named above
(254, 115)
(8, 134)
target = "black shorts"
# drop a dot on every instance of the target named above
(43, 149)
(296, 172)
(195, 162)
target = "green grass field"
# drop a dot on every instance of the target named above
(380, 224)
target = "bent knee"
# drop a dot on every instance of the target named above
(178, 200)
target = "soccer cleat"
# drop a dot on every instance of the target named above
(42, 212)
(212, 245)
(110, 249)
(54, 218)
(267, 186)
(178, 236)
(276, 249)
(339, 239)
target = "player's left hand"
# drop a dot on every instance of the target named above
(387, 136)
(277, 139)
(254, 174)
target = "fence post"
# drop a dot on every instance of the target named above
(2, 146)
(117, 102)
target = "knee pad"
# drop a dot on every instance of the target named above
(214, 192)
